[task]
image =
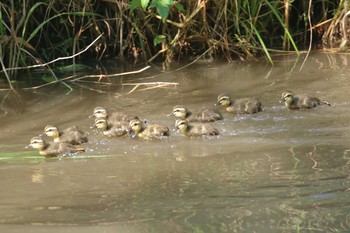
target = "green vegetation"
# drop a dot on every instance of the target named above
(35, 33)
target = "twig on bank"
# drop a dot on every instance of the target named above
(53, 82)
(74, 77)
(55, 60)
(91, 89)
(152, 85)
(100, 76)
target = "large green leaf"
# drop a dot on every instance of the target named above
(179, 7)
(159, 39)
(163, 7)
(144, 4)
(135, 4)
(139, 3)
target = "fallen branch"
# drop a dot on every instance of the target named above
(151, 85)
(100, 76)
(55, 60)
(46, 84)
(73, 77)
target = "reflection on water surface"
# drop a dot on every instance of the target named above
(275, 171)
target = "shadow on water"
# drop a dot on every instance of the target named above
(275, 171)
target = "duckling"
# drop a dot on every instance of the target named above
(195, 129)
(71, 135)
(112, 129)
(101, 112)
(53, 149)
(137, 128)
(301, 101)
(243, 105)
(205, 115)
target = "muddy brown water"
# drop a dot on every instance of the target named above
(275, 171)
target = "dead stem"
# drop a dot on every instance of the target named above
(55, 60)
(100, 76)
(310, 42)
(180, 68)
(152, 85)
(86, 76)
(50, 83)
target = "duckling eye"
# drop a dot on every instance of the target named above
(223, 99)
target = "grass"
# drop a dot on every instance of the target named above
(34, 33)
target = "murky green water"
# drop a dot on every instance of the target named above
(275, 171)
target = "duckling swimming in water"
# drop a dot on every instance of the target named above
(53, 149)
(195, 129)
(205, 115)
(116, 129)
(243, 105)
(101, 112)
(301, 101)
(71, 135)
(138, 128)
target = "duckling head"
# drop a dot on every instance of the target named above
(224, 100)
(37, 143)
(51, 131)
(180, 112)
(100, 112)
(135, 127)
(287, 98)
(181, 125)
(101, 123)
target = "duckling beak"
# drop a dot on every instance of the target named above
(175, 128)
(217, 104)
(28, 146)
(170, 114)
(91, 116)
(131, 133)
(282, 100)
